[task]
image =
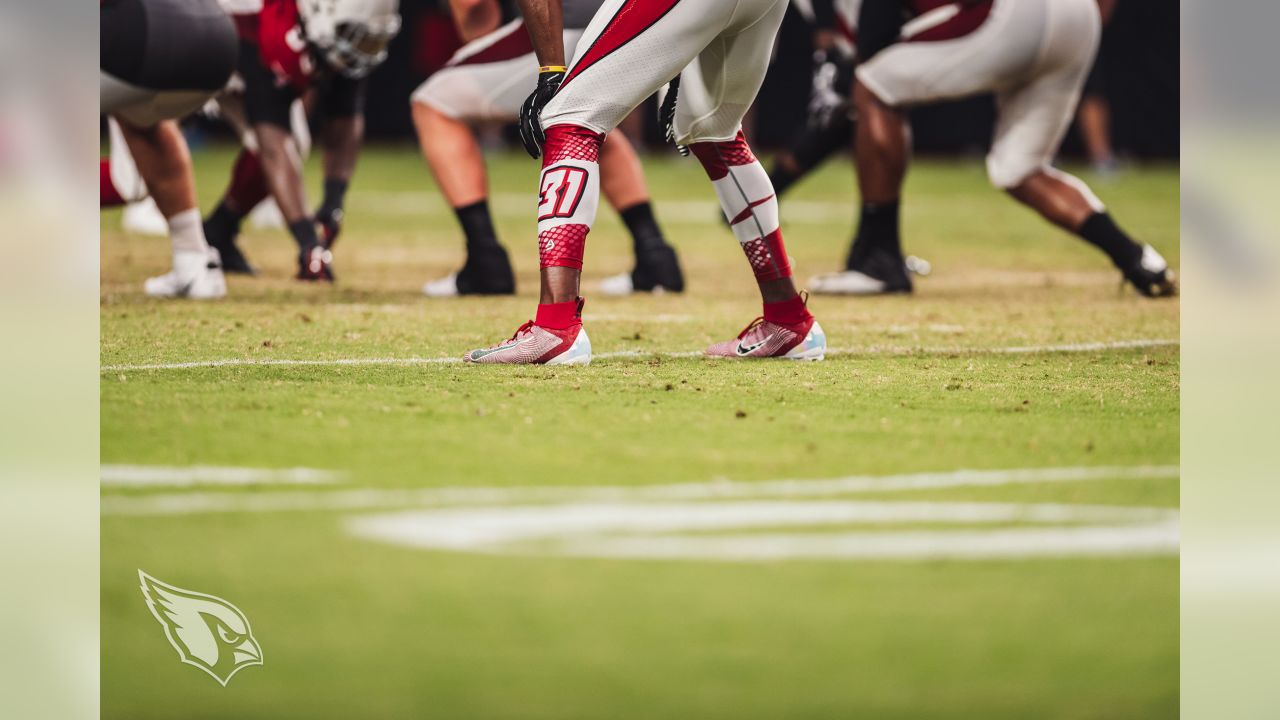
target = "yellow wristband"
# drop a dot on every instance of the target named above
(552, 68)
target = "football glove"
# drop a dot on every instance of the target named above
(549, 79)
(667, 114)
(832, 83)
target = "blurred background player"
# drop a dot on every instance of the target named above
(160, 60)
(320, 51)
(718, 53)
(486, 81)
(1094, 115)
(830, 122)
(1034, 54)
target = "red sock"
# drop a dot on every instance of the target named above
(558, 316)
(248, 183)
(787, 312)
(108, 195)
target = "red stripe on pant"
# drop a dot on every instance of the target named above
(633, 18)
(510, 46)
(967, 19)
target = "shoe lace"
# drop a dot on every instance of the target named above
(522, 329)
(751, 326)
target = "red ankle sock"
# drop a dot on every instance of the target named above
(787, 312)
(558, 316)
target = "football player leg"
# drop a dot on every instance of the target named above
(487, 80)
(247, 193)
(1031, 122)
(715, 92)
(164, 161)
(630, 49)
(146, 82)
(875, 263)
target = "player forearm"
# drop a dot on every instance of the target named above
(544, 21)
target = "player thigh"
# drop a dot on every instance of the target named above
(720, 85)
(629, 50)
(995, 55)
(1032, 119)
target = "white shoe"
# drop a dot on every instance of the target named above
(195, 275)
(144, 218)
(848, 282)
(617, 285)
(267, 216)
(446, 286)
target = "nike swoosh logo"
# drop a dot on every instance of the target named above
(744, 350)
(477, 354)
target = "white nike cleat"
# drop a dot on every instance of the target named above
(266, 215)
(617, 285)
(446, 286)
(195, 275)
(144, 218)
(848, 282)
(534, 345)
(764, 339)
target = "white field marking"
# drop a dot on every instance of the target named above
(871, 350)
(653, 530)
(135, 476)
(192, 503)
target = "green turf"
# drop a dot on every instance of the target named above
(356, 629)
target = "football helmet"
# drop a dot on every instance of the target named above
(351, 36)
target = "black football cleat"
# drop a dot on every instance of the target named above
(315, 264)
(1151, 275)
(224, 241)
(486, 272)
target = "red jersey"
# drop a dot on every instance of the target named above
(277, 32)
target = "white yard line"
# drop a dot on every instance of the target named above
(190, 503)
(654, 530)
(151, 476)
(872, 350)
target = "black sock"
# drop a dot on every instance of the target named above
(477, 225)
(645, 233)
(335, 192)
(1102, 232)
(304, 232)
(223, 222)
(878, 232)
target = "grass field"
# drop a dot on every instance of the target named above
(632, 559)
